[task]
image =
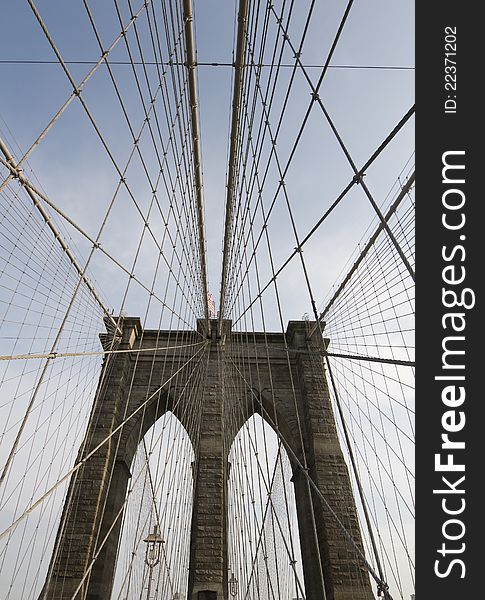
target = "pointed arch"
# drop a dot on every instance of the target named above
(262, 517)
(155, 409)
(161, 494)
(134, 394)
(274, 411)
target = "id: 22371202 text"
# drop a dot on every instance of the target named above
(450, 58)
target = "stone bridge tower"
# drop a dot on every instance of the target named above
(103, 480)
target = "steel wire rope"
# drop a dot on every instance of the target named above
(263, 429)
(371, 444)
(95, 243)
(261, 502)
(267, 121)
(151, 94)
(305, 273)
(89, 114)
(254, 444)
(374, 485)
(153, 97)
(142, 406)
(36, 484)
(125, 410)
(161, 435)
(18, 498)
(250, 123)
(26, 61)
(261, 137)
(265, 224)
(83, 461)
(321, 496)
(335, 203)
(307, 22)
(161, 438)
(317, 99)
(269, 366)
(369, 245)
(391, 471)
(73, 94)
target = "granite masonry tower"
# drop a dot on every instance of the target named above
(104, 478)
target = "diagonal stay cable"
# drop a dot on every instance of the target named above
(16, 172)
(402, 194)
(360, 489)
(90, 116)
(314, 486)
(78, 465)
(342, 194)
(268, 487)
(96, 244)
(316, 98)
(267, 103)
(73, 95)
(171, 122)
(97, 353)
(298, 138)
(73, 298)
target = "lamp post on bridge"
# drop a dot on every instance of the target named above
(233, 585)
(154, 543)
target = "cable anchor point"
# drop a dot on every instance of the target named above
(382, 589)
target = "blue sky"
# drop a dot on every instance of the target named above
(364, 104)
(73, 169)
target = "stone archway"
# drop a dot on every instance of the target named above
(291, 393)
(262, 515)
(128, 402)
(160, 496)
(299, 403)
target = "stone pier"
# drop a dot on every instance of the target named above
(300, 405)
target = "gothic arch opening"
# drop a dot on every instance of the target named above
(159, 501)
(264, 557)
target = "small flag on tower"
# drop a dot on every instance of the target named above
(212, 306)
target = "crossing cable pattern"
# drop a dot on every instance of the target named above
(52, 312)
(377, 292)
(376, 398)
(65, 278)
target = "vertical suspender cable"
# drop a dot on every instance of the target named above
(57, 234)
(402, 194)
(194, 115)
(235, 123)
(383, 586)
